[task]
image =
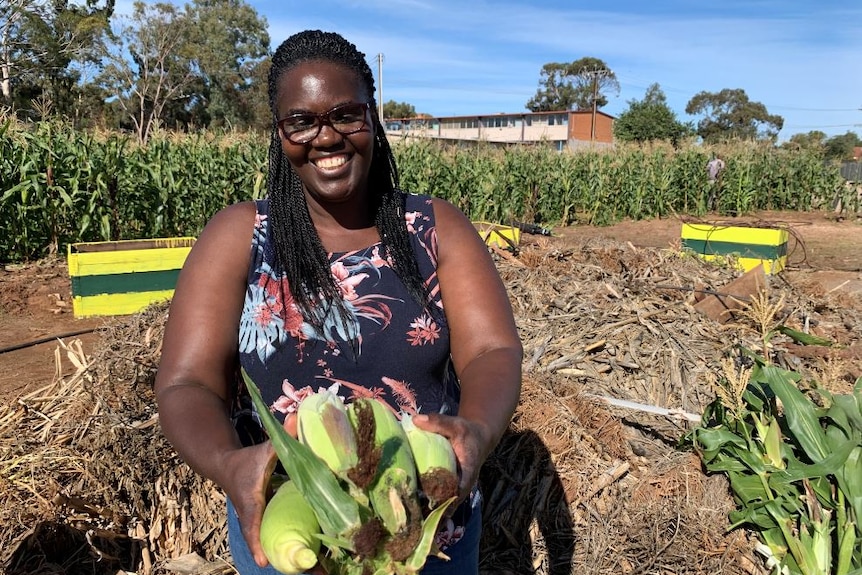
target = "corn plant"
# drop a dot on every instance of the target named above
(59, 186)
(794, 462)
(795, 469)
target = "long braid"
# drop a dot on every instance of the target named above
(300, 255)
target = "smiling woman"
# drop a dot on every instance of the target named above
(337, 280)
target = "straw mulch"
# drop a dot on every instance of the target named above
(580, 484)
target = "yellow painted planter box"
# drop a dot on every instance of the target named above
(124, 277)
(749, 246)
(498, 235)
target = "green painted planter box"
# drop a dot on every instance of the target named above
(124, 277)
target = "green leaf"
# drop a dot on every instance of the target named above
(337, 512)
(748, 488)
(714, 439)
(802, 418)
(797, 470)
(850, 407)
(801, 337)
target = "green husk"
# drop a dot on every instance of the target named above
(337, 512)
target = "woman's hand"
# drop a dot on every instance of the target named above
(250, 490)
(248, 487)
(471, 442)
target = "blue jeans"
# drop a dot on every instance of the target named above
(464, 555)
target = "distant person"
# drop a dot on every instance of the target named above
(714, 169)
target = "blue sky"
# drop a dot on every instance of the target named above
(801, 59)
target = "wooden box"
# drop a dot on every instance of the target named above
(499, 235)
(750, 246)
(124, 277)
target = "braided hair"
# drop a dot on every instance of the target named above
(299, 253)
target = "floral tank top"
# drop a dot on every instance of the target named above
(393, 348)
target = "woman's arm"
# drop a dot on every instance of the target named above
(486, 348)
(198, 364)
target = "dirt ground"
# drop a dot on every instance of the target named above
(36, 307)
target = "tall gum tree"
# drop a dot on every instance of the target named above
(15, 53)
(44, 45)
(145, 69)
(579, 85)
(227, 45)
(730, 114)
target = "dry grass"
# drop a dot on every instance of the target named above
(89, 484)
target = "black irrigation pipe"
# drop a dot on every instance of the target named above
(46, 339)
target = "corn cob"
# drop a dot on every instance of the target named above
(322, 424)
(352, 530)
(435, 462)
(392, 492)
(288, 532)
(347, 525)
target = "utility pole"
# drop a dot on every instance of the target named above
(380, 86)
(595, 75)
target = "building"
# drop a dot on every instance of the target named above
(561, 129)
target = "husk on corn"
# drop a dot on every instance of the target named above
(368, 506)
(435, 462)
(288, 531)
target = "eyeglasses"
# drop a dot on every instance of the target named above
(345, 119)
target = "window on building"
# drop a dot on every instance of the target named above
(498, 122)
(558, 119)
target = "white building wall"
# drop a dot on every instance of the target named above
(503, 129)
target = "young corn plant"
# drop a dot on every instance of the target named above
(794, 462)
(795, 470)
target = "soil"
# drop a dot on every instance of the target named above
(36, 300)
(548, 505)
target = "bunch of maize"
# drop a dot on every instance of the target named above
(378, 488)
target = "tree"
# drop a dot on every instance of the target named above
(841, 147)
(393, 109)
(15, 52)
(204, 65)
(729, 114)
(226, 44)
(813, 140)
(651, 119)
(147, 70)
(45, 45)
(580, 85)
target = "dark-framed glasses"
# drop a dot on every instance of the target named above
(345, 119)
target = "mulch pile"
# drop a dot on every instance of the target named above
(590, 478)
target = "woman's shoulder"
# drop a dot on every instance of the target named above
(433, 206)
(232, 225)
(235, 213)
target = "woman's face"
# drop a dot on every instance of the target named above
(334, 167)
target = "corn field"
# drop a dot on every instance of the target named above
(60, 186)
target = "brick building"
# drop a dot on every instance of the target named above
(561, 129)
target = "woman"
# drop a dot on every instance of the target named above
(336, 280)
